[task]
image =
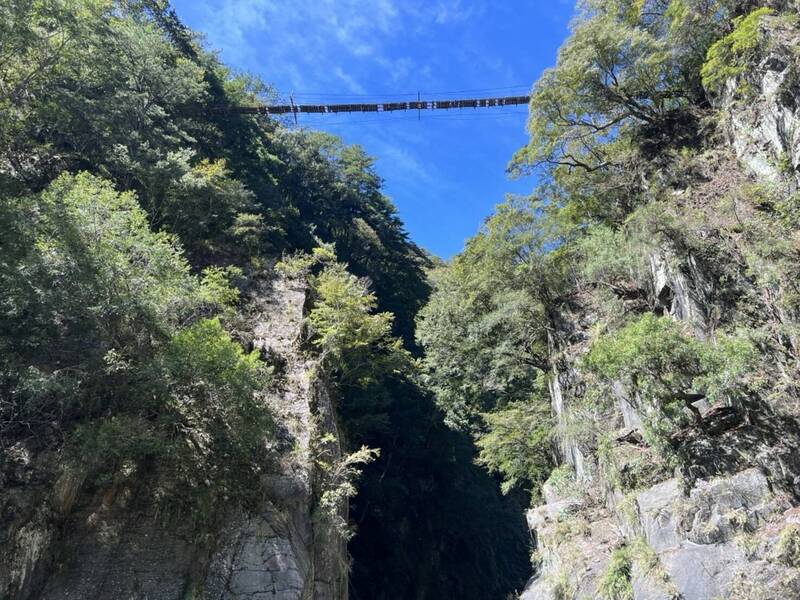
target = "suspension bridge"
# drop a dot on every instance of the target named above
(378, 107)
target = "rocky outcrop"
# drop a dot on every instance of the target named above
(764, 126)
(574, 542)
(704, 539)
(680, 288)
(724, 538)
(58, 542)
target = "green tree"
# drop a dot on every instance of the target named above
(729, 56)
(84, 280)
(620, 67)
(336, 188)
(147, 131)
(626, 90)
(342, 318)
(517, 444)
(485, 328)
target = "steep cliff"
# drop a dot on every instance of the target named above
(65, 537)
(721, 519)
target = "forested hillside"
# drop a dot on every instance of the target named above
(624, 342)
(154, 378)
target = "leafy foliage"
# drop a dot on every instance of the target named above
(517, 444)
(339, 476)
(336, 188)
(729, 56)
(94, 339)
(210, 430)
(83, 277)
(668, 370)
(627, 64)
(342, 318)
(110, 336)
(230, 186)
(485, 328)
(788, 546)
(211, 384)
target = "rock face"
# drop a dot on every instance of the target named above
(718, 530)
(59, 543)
(722, 538)
(766, 133)
(588, 533)
(701, 540)
(722, 526)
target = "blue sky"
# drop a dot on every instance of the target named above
(445, 171)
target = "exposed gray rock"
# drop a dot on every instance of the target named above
(630, 417)
(702, 571)
(546, 515)
(713, 509)
(717, 541)
(764, 128)
(681, 287)
(570, 450)
(539, 588)
(267, 556)
(656, 509)
(574, 543)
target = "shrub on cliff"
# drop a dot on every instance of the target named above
(105, 337)
(729, 56)
(666, 370)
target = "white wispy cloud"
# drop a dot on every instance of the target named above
(456, 10)
(349, 81)
(312, 45)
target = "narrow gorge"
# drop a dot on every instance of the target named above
(227, 372)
